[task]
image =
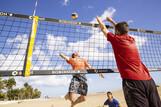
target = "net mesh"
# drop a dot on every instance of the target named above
(54, 38)
(14, 34)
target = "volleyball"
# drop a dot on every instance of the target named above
(74, 15)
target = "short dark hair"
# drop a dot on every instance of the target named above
(109, 92)
(122, 27)
(73, 55)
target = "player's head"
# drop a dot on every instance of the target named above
(121, 28)
(109, 95)
(75, 54)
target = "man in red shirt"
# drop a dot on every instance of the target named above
(138, 86)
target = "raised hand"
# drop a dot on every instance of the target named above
(111, 20)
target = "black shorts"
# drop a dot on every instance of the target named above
(78, 86)
(141, 93)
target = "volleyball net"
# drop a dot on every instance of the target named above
(30, 45)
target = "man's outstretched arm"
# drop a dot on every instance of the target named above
(102, 26)
(90, 67)
(64, 56)
(111, 21)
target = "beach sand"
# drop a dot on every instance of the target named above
(93, 100)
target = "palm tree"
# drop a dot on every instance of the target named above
(22, 93)
(10, 83)
(2, 86)
(28, 91)
(26, 85)
(13, 94)
(7, 90)
(9, 86)
(36, 94)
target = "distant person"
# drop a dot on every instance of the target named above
(78, 83)
(138, 86)
(111, 102)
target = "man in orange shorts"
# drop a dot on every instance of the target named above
(78, 83)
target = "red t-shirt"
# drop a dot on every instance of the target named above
(127, 57)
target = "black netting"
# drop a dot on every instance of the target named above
(14, 34)
(54, 38)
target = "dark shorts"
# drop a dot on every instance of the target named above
(78, 86)
(141, 93)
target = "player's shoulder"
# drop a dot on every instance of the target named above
(109, 34)
(106, 102)
(115, 100)
(80, 59)
(71, 59)
(126, 37)
(132, 36)
(84, 59)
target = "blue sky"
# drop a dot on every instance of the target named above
(139, 14)
(145, 14)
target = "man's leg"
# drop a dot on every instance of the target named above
(66, 96)
(72, 98)
(83, 88)
(80, 99)
(153, 96)
(135, 93)
(73, 90)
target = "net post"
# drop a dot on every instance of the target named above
(29, 51)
